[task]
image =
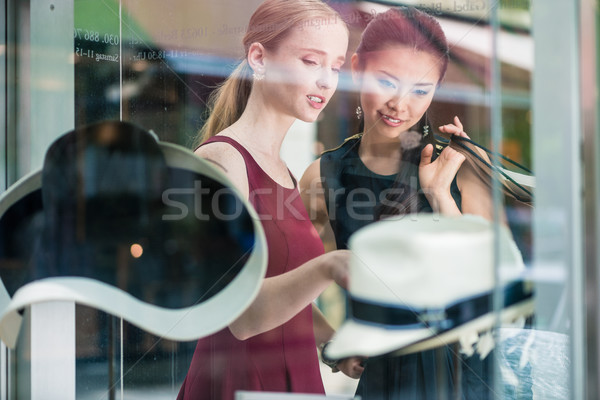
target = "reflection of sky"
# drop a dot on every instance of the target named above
(202, 64)
(206, 64)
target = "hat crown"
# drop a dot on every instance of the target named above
(105, 177)
(112, 207)
(424, 280)
(426, 262)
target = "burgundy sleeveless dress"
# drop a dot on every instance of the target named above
(283, 359)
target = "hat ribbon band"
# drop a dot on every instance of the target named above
(458, 313)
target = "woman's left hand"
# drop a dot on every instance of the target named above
(436, 176)
(457, 129)
(454, 129)
(352, 366)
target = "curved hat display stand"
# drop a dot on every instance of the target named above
(132, 226)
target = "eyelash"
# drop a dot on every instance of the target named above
(387, 84)
(311, 62)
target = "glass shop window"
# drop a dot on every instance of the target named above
(154, 64)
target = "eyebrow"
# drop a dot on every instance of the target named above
(321, 52)
(398, 80)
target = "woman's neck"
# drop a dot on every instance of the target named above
(261, 129)
(380, 154)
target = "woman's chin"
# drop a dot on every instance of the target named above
(308, 118)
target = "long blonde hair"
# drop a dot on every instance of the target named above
(269, 25)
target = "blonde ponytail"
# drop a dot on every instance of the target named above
(227, 102)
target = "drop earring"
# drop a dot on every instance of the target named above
(359, 112)
(425, 127)
(258, 76)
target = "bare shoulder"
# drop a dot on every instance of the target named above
(229, 160)
(311, 178)
(222, 154)
(313, 197)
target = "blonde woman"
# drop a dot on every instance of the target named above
(294, 51)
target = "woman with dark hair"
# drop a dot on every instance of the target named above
(294, 50)
(391, 169)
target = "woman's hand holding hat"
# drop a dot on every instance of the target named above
(352, 366)
(337, 266)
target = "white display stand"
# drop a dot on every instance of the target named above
(53, 351)
(52, 325)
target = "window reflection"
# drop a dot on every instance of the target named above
(154, 63)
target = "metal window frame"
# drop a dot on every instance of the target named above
(3, 90)
(43, 365)
(589, 40)
(564, 137)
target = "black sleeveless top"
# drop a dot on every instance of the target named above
(353, 192)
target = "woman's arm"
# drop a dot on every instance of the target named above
(351, 366)
(283, 296)
(312, 193)
(476, 195)
(323, 331)
(280, 297)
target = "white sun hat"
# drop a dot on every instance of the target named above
(425, 281)
(135, 227)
